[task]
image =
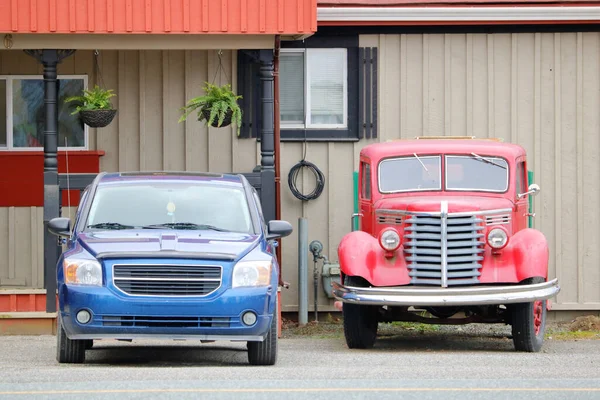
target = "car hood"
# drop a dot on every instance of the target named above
(171, 243)
(433, 204)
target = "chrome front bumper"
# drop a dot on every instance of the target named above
(433, 296)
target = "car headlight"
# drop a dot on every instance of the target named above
(251, 273)
(497, 238)
(82, 272)
(389, 239)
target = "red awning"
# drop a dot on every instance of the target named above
(285, 17)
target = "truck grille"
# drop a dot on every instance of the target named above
(435, 261)
(167, 280)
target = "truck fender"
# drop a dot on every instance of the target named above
(360, 254)
(531, 253)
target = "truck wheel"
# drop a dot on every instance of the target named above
(360, 321)
(67, 350)
(529, 322)
(265, 352)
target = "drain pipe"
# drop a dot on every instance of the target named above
(277, 150)
(302, 271)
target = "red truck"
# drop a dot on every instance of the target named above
(443, 238)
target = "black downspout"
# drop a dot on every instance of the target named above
(50, 59)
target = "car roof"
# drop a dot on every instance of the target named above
(148, 176)
(487, 147)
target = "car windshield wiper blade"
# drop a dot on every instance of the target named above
(110, 225)
(478, 157)
(184, 225)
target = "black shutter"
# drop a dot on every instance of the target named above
(367, 89)
(249, 89)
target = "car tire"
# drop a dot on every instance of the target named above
(265, 352)
(360, 321)
(68, 351)
(528, 322)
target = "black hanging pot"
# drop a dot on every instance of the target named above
(97, 118)
(215, 123)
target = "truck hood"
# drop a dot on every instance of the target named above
(172, 243)
(433, 204)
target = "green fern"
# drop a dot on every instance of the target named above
(95, 99)
(219, 100)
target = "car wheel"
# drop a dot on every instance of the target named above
(67, 350)
(360, 321)
(529, 322)
(265, 352)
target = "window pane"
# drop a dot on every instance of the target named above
(2, 112)
(29, 113)
(471, 173)
(410, 174)
(326, 70)
(291, 93)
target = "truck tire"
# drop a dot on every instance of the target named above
(265, 352)
(529, 322)
(360, 321)
(67, 350)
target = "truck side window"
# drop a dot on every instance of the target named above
(521, 178)
(366, 181)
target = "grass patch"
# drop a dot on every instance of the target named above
(572, 335)
(416, 326)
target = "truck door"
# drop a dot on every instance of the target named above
(522, 204)
(365, 197)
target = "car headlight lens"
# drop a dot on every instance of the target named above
(251, 273)
(389, 240)
(82, 272)
(497, 238)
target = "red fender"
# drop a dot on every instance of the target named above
(361, 255)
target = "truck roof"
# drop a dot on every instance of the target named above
(422, 146)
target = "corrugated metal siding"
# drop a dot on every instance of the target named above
(541, 90)
(159, 16)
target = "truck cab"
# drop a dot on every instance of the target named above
(444, 238)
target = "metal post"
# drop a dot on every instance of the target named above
(50, 59)
(302, 271)
(267, 136)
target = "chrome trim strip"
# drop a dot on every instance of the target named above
(166, 279)
(128, 336)
(167, 295)
(438, 214)
(427, 296)
(444, 243)
(167, 254)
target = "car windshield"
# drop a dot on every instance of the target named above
(475, 172)
(410, 174)
(170, 205)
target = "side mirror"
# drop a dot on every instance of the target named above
(60, 226)
(532, 190)
(278, 229)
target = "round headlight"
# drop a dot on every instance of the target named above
(497, 238)
(389, 240)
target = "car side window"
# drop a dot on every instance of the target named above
(521, 178)
(366, 181)
(258, 206)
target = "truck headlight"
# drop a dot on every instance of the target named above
(251, 273)
(497, 238)
(389, 239)
(82, 272)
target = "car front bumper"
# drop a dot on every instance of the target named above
(116, 316)
(428, 296)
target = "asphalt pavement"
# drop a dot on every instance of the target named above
(426, 366)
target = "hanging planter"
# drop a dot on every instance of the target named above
(94, 107)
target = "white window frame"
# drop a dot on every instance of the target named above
(9, 116)
(307, 124)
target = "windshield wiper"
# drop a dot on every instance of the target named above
(478, 157)
(424, 167)
(110, 225)
(184, 225)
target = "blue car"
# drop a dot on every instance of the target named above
(168, 256)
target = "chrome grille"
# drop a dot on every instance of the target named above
(165, 322)
(432, 259)
(167, 280)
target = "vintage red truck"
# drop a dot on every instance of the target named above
(443, 238)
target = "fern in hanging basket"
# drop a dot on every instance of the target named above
(218, 107)
(94, 106)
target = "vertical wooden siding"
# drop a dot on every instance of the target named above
(540, 90)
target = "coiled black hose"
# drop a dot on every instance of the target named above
(319, 177)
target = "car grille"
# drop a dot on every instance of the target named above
(433, 260)
(166, 322)
(167, 280)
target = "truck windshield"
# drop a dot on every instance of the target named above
(178, 205)
(474, 172)
(412, 173)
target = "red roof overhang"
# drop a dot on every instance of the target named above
(284, 17)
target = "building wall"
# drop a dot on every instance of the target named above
(539, 90)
